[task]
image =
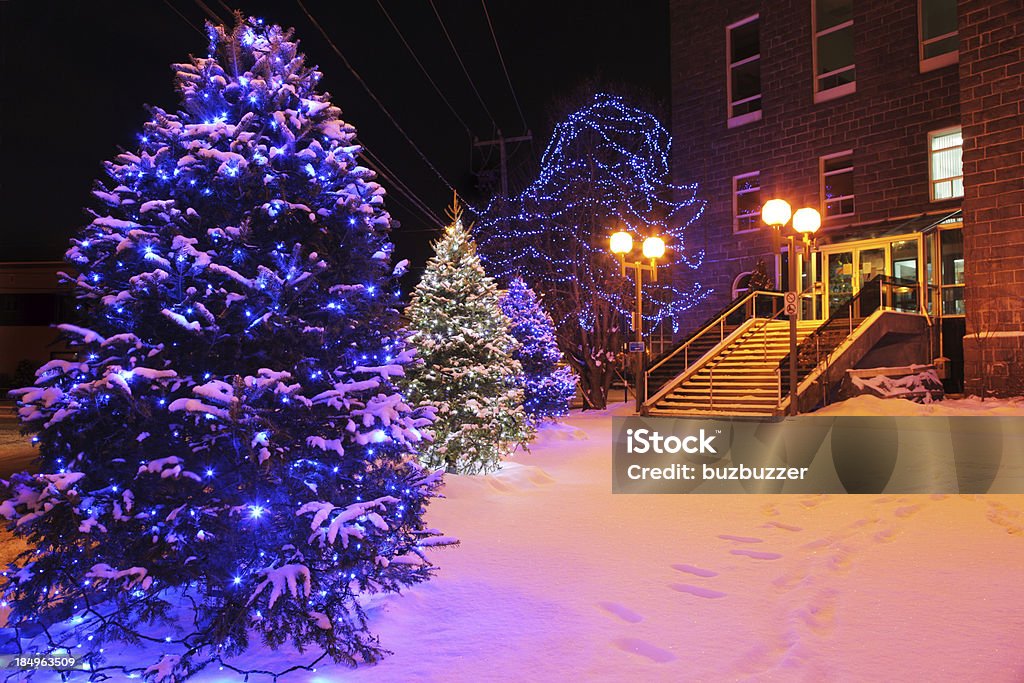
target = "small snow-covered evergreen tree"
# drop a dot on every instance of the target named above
(467, 368)
(228, 456)
(548, 385)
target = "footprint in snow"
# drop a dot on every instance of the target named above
(621, 611)
(885, 535)
(906, 510)
(697, 590)
(1008, 518)
(756, 554)
(819, 614)
(741, 539)
(697, 571)
(644, 649)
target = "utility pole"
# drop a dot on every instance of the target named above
(500, 142)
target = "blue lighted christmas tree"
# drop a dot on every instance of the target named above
(548, 385)
(228, 450)
(467, 367)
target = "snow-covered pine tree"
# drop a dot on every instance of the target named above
(548, 385)
(467, 369)
(229, 444)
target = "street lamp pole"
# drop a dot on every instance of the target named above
(653, 249)
(806, 221)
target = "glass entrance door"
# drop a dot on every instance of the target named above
(840, 282)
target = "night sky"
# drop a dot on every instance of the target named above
(77, 76)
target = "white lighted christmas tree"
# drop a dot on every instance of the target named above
(467, 367)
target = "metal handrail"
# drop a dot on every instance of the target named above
(715, 321)
(764, 331)
(880, 286)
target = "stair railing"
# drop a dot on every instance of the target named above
(764, 322)
(878, 293)
(757, 304)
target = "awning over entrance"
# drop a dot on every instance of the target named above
(891, 228)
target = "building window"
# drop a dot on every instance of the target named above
(945, 164)
(746, 204)
(743, 44)
(834, 72)
(938, 31)
(741, 285)
(837, 185)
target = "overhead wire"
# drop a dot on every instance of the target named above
(423, 68)
(376, 100)
(398, 185)
(209, 12)
(184, 18)
(455, 50)
(501, 59)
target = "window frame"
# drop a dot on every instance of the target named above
(735, 204)
(938, 61)
(931, 179)
(734, 120)
(821, 184)
(837, 91)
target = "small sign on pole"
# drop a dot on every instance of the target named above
(791, 302)
(636, 347)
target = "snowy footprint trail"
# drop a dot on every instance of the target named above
(558, 579)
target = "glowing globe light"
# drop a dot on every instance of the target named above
(776, 212)
(654, 248)
(621, 243)
(806, 220)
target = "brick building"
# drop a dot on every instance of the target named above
(901, 121)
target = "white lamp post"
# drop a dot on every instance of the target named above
(806, 221)
(653, 249)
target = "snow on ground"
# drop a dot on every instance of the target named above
(972, 405)
(558, 579)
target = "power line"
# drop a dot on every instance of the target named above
(380, 104)
(463, 65)
(382, 169)
(226, 7)
(184, 18)
(209, 12)
(501, 59)
(423, 68)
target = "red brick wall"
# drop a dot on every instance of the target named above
(992, 96)
(886, 122)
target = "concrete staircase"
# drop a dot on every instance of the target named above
(740, 379)
(677, 364)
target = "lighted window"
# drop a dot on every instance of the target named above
(938, 30)
(746, 192)
(834, 72)
(945, 164)
(837, 185)
(743, 44)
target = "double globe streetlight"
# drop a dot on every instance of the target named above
(653, 249)
(806, 221)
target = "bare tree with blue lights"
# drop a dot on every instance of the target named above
(605, 169)
(228, 457)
